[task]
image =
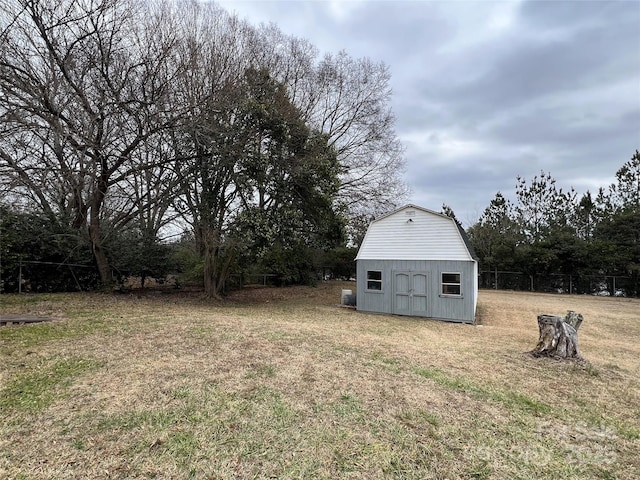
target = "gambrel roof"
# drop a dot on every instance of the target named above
(415, 233)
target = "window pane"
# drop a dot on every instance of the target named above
(451, 284)
(450, 278)
(373, 275)
(374, 285)
(451, 289)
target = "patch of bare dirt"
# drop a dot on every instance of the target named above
(324, 293)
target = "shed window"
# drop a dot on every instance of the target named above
(374, 280)
(451, 284)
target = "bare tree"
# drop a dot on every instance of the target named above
(244, 146)
(209, 139)
(115, 111)
(145, 197)
(354, 111)
(88, 81)
(348, 100)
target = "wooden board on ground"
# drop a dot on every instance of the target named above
(21, 319)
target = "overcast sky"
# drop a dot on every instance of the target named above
(485, 91)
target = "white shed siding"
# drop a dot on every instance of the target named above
(428, 236)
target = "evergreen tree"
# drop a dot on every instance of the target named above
(496, 236)
(625, 193)
(542, 207)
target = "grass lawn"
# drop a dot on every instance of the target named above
(283, 383)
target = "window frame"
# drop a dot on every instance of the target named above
(444, 284)
(377, 281)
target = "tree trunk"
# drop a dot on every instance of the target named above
(99, 255)
(558, 336)
(210, 244)
(95, 232)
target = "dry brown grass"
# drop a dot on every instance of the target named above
(283, 383)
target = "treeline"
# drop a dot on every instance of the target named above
(49, 257)
(126, 124)
(549, 231)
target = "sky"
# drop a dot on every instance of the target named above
(485, 91)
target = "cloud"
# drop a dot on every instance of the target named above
(543, 62)
(486, 91)
(342, 10)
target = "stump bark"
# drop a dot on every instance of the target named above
(558, 336)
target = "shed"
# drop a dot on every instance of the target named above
(414, 261)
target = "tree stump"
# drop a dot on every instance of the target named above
(558, 336)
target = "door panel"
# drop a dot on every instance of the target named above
(419, 282)
(402, 293)
(403, 307)
(403, 283)
(419, 306)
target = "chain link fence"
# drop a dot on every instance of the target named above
(603, 285)
(40, 277)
